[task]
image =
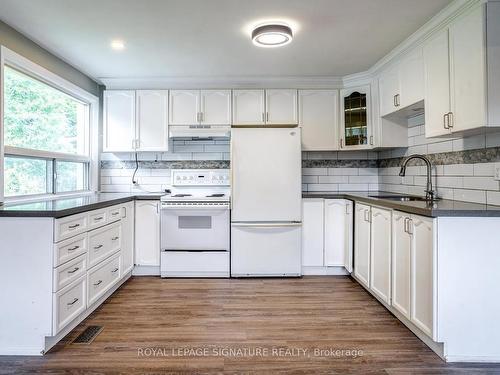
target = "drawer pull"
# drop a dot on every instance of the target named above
(114, 213)
(98, 218)
(73, 226)
(74, 270)
(98, 283)
(73, 248)
(116, 269)
(97, 247)
(72, 303)
(115, 238)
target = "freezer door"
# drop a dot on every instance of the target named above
(266, 174)
(266, 249)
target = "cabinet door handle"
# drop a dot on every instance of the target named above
(394, 101)
(267, 116)
(73, 248)
(263, 117)
(98, 283)
(445, 121)
(450, 119)
(114, 238)
(116, 269)
(406, 225)
(341, 142)
(371, 140)
(72, 303)
(97, 247)
(398, 102)
(74, 270)
(73, 226)
(410, 226)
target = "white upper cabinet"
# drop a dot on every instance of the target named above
(261, 107)
(184, 107)
(462, 66)
(215, 107)
(119, 121)
(281, 107)
(437, 84)
(356, 130)
(152, 120)
(401, 85)
(319, 119)
(249, 107)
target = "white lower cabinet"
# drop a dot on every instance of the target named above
(380, 255)
(102, 277)
(128, 231)
(147, 233)
(362, 234)
(413, 269)
(326, 234)
(69, 302)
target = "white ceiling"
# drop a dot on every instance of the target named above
(210, 38)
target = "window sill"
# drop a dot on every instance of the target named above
(46, 197)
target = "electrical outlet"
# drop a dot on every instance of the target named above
(496, 175)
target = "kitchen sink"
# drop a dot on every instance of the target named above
(402, 198)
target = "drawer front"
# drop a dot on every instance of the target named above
(70, 271)
(70, 226)
(103, 277)
(69, 302)
(103, 242)
(69, 249)
(97, 218)
(115, 213)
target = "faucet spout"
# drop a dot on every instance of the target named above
(429, 192)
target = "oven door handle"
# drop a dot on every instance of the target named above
(195, 207)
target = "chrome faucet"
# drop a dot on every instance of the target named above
(429, 193)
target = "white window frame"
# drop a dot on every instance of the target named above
(18, 62)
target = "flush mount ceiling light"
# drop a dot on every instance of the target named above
(117, 45)
(272, 35)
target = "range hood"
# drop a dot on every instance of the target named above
(202, 131)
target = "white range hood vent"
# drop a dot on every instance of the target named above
(200, 131)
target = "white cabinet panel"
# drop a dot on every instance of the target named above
(411, 78)
(119, 120)
(312, 232)
(362, 243)
(152, 120)
(338, 233)
(281, 107)
(319, 119)
(128, 243)
(147, 233)
(422, 271)
(380, 264)
(468, 71)
(401, 261)
(184, 107)
(216, 107)
(248, 107)
(389, 90)
(436, 84)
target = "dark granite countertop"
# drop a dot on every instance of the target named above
(58, 208)
(443, 207)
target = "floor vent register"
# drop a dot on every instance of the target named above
(88, 335)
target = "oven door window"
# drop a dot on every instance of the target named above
(194, 222)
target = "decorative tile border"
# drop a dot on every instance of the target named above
(482, 155)
(167, 164)
(327, 163)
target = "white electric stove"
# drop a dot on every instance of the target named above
(195, 224)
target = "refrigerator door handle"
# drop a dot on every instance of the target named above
(266, 225)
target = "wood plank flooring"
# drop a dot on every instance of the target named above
(153, 325)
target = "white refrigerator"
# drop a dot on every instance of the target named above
(266, 202)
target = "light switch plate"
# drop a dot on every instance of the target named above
(496, 175)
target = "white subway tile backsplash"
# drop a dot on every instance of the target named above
(493, 197)
(322, 187)
(476, 196)
(343, 171)
(459, 170)
(363, 179)
(314, 171)
(310, 179)
(480, 183)
(484, 169)
(333, 179)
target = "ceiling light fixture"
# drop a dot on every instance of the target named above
(117, 45)
(272, 35)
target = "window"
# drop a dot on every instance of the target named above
(47, 132)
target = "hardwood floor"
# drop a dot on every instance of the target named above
(153, 325)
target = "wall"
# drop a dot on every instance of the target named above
(463, 167)
(154, 168)
(17, 42)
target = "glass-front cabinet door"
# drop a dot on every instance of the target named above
(355, 115)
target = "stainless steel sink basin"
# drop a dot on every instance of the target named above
(402, 198)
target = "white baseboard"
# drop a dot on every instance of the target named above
(459, 358)
(146, 271)
(324, 271)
